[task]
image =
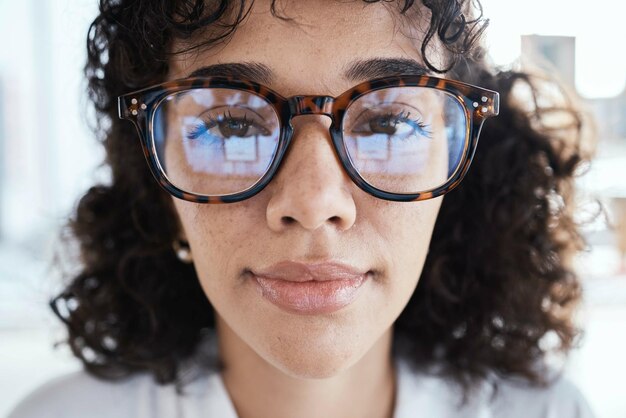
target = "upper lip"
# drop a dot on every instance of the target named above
(302, 272)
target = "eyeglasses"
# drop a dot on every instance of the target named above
(221, 140)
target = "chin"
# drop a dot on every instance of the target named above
(315, 360)
(313, 367)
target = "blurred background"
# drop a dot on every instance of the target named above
(49, 157)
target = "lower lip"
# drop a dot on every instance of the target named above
(310, 297)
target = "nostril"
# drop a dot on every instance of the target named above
(289, 220)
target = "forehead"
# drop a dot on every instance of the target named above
(311, 54)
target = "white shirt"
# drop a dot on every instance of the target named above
(79, 395)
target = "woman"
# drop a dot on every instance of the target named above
(296, 256)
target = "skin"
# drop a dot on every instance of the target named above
(336, 364)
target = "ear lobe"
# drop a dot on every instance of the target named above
(183, 251)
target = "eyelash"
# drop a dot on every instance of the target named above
(401, 117)
(210, 122)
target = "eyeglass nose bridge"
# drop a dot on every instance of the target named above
(311, 105)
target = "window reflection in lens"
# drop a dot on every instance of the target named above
(215, 141)
(405, 139)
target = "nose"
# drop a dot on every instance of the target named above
(311, 189)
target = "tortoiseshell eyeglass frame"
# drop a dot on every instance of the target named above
(139, 107)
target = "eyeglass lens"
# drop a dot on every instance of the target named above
(217, 141)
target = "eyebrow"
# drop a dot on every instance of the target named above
(355, 71)
(254, 71)
(383, 67)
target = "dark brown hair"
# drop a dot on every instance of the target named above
(497, 282)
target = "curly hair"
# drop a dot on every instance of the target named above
(497, 282)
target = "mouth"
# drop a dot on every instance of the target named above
(310, 289)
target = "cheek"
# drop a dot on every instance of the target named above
(404, 231)
(216, 233)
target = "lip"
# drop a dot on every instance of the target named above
(310, 289)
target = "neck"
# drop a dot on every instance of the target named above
(259, 389)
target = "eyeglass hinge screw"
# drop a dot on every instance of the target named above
(484, 99)
(475, 104)
(133, 107)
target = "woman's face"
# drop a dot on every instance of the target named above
(311, 212)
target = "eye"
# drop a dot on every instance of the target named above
(239, 127)
(391, 124)
(384, 124)
(226, 125)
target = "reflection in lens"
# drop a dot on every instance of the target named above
(405, 139)
(215, 141)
